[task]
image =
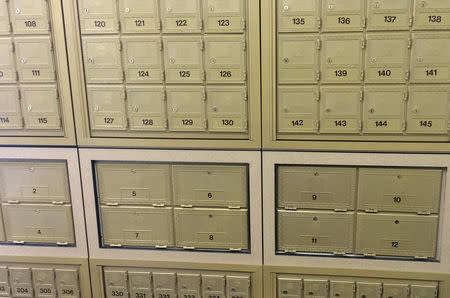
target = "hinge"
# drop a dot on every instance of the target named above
(409, 43)
(361, 95)
(202, 45)
(161, 246)
(318, 76)
(340, 210)
(10, 25)
(167, 123)
(205, 124)
(189, 247)
(201, 24)
(371, 210)
(203, 76)
(317, 125)
(360, 126)
(244, 45)
(234, 207)
(159, 25)
(411, 21)
(14, 202)
(13, 47)
(163, 76)
(362, 75)
(235, 249)
(112, 204)
(245, 95)
(62, 243)
(245, 124)
(244, 75)
(364, 22)
(354, 288)
(363, 44)
(319, 44)
(51, 46)
(123, 75)
(118, 26)
(159, 205)
(17, 78)
(404, 125)
(19, 242)
(57, 203)
(407, 74)
(369, 254)
(406, 95)
(161, 46)
(244, 24)
(120, 45)
(186, 206)
(319, 23)
(424, 212)
(115, 245)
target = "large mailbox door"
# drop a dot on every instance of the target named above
(211, 228)
(137, 226)
(10, 108)
(164, 284)
(186, 108)
(384, 110)
(188, 285)
(140, 284)
(297, 109)
(147, 108)
(298, 59)
(430, 60)
(138, 16)
(389, 15)
(21, 283)
(39, 223)
(289, 286)
(343, 15)
(329, 188)
(181, 16)
(40, 107)
(342, 58)
(5, 23)
(98, 16)
(107, 107)
(224, 16)
(210, 186)
(133, 184)
(8, 72)
(404, 190)
(340, 110)
(29, 17)
(142, 59)
(397, 235)
(44, 282)
(34, 182)
(227, 108)
(428, 110)
(315, 231)
(183, 59)
(298, 15)
(116, 283)
(34, 56)
(67, 283)
(102, 59)
(387, 58)
(432, 14)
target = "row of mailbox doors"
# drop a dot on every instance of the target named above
(418, 109)
(372, 58)
(292, 286)
(142, 283)
(23, 281)
(356, 15)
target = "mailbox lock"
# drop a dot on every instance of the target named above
(396, 221)
(423, 4)
(18, 11)
(285, 8)
(211, 8)
(372, 110)
(127, 9)
(169, 9)
(315, 218)
(286, 60)
(317, 173)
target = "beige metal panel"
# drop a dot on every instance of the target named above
(116, 283)
(29, 17)
(397, 235)
(7, 65)
(34, 58)
(5, 289)
(21, 283)
(225, 58)
(142, 59)
(298, 59)
(211, 228)
(298, 15)
(342, 58)
(315, 288)
(34, 182)
(181, 16)
(389, 15)
(224, 16)
(67, 283)
(369, 289)
(137, 226)
(423, 291)
(40, 107)
(133, 183)
(183, 58)
(399, 190)
(186, 108)
(342, 288)
(102, 59)
(5, 24)
(432, 14)
(346, 15)
(316, 188)
(340, 110)
(384, 109)
(107, 107)
(315, 231)
(298, 109)
(238, 286)
(188, 285)
(428, 109)
(137, 16)
(39, 223)
(98, 16)
(395, 290)
(44, 282)
(140, 284)
(146, 108)
(387, 58)
(164, 284)
(289, 286)
(213, 286)
(210, 185)
(430, 60)
(2, 232)
(227, 108)
(10, 109)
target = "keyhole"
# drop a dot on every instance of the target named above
(314, 197)
(396, 221)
